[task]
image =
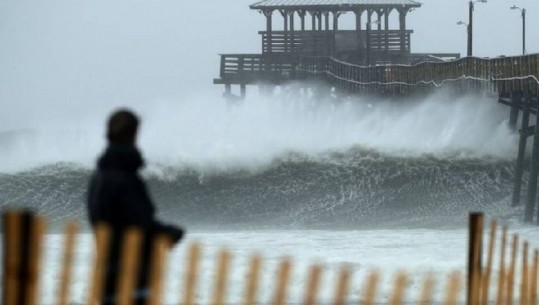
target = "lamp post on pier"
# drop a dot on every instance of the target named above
(470, 24)
(467, 30)
(523, 14)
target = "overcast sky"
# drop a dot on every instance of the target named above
(68, 54)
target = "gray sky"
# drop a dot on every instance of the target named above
(62, 56)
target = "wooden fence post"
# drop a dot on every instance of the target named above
(426, 290)
(501, 276)
(486, 274)
(399, 288)
(474, 257)
(533, 278)
(341, 290)
(371, 288)
(24, 234)
(453, 289)
(12, 257)
(511, 274)
(524, 276)
(130, 258)
(221, 275)
(313, 285)
(191, 275)
(282, 283)
(67, 266)
(253, 277)
(102, 235)
(161, 246)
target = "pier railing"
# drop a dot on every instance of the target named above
(253, 68)
(24, 237)
(504, 74)
(319, 43)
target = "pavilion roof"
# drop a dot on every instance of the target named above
(345, 5)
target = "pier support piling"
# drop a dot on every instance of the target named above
(532, 184)
(521, 153)
(513, 115)
(243, 91)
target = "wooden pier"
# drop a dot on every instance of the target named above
(379, 62)
(283, 51)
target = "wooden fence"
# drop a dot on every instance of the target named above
(24, 237)
(503, 75)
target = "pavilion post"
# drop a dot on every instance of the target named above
(302, 19)
(284, 13)
(291, 39)
(386, 27)
(379, 34)
(402, 23)
(368, 36)
(326, 20)
(319, 15)
(358, 14)
(268, 14)
(336, 16)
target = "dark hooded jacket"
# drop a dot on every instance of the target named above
(119, 197)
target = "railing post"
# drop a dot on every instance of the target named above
(223, 64)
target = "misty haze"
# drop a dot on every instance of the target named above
(291, 153)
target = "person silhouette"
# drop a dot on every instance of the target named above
(118, 196)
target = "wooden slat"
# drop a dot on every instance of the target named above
(13, 236)
(426, 290)
(221, 275)
(501, 275)
(453, 288)
(191, 275)
(341, 290)
(253, 278)
(160, 251)
(37, 235)
(313, 285)
(533, 278)
(474, 258)
(71, 231)
(129, 266)
(511, 273)
(488, 268)
(370, 289)
(524, 276)
(102, 235)
(399, 288)
(282, 282)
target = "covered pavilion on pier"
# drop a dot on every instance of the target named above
(320, 38)
(324, 25)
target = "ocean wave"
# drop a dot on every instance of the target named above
(355, 188)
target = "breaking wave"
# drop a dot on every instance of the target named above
(285, 163)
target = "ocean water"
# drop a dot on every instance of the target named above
(369, 184)
(418, 252)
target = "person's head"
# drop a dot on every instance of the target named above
(122, 127)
